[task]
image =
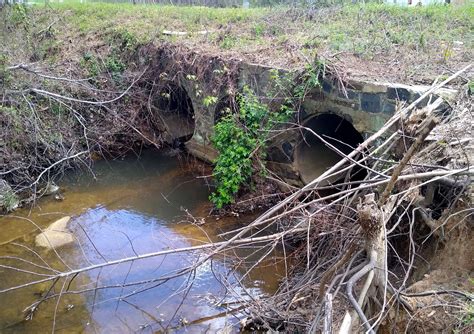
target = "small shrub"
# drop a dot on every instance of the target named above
(124, 41)
(57, 109)
(114, 65)
(470, 87)
(5, 75)
(234, 165)
(259, 29)
(310, 79)
(466, 316)
(240, 140)
(8, 199)
(19, 13)
(228, 42)
(14, 118)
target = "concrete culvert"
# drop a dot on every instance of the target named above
(313, 157)
(177, 113)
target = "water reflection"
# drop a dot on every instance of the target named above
(132, 207)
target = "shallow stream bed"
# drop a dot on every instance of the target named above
(120, 209)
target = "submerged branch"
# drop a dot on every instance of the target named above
(276, 236)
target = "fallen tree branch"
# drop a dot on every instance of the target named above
(275, 236)
(55, 164)
(466, 295)
(28, 69)
(364, 145)
(350, 285)
(96, 103)
(426, 128)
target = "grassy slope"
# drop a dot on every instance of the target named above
(374, 40)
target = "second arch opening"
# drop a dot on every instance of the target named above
(313, 157)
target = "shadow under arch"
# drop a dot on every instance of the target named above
(176, 111)
(313, 157)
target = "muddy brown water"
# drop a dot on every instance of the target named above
(127, 207)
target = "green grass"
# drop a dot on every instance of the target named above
(279, 35)
(143, 19)
(355, 28)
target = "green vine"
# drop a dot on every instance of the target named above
(241, 142)
(241, 138)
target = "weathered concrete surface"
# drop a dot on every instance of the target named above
(367, 105)
(56, 235)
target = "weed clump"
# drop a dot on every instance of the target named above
(241, 142)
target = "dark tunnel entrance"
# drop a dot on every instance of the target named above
(313, 157)
(176, 112)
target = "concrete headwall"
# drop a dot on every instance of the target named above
(366, 105)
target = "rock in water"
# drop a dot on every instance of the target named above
(53, 239)
(59, 225)
(56, 235)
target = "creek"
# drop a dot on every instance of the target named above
(121, 208)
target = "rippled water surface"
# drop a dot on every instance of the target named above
(124, 208)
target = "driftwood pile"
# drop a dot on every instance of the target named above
(361, 261)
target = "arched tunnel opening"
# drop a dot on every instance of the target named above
(313, 157)
(176, 112)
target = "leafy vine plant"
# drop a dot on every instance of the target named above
(241, 138)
